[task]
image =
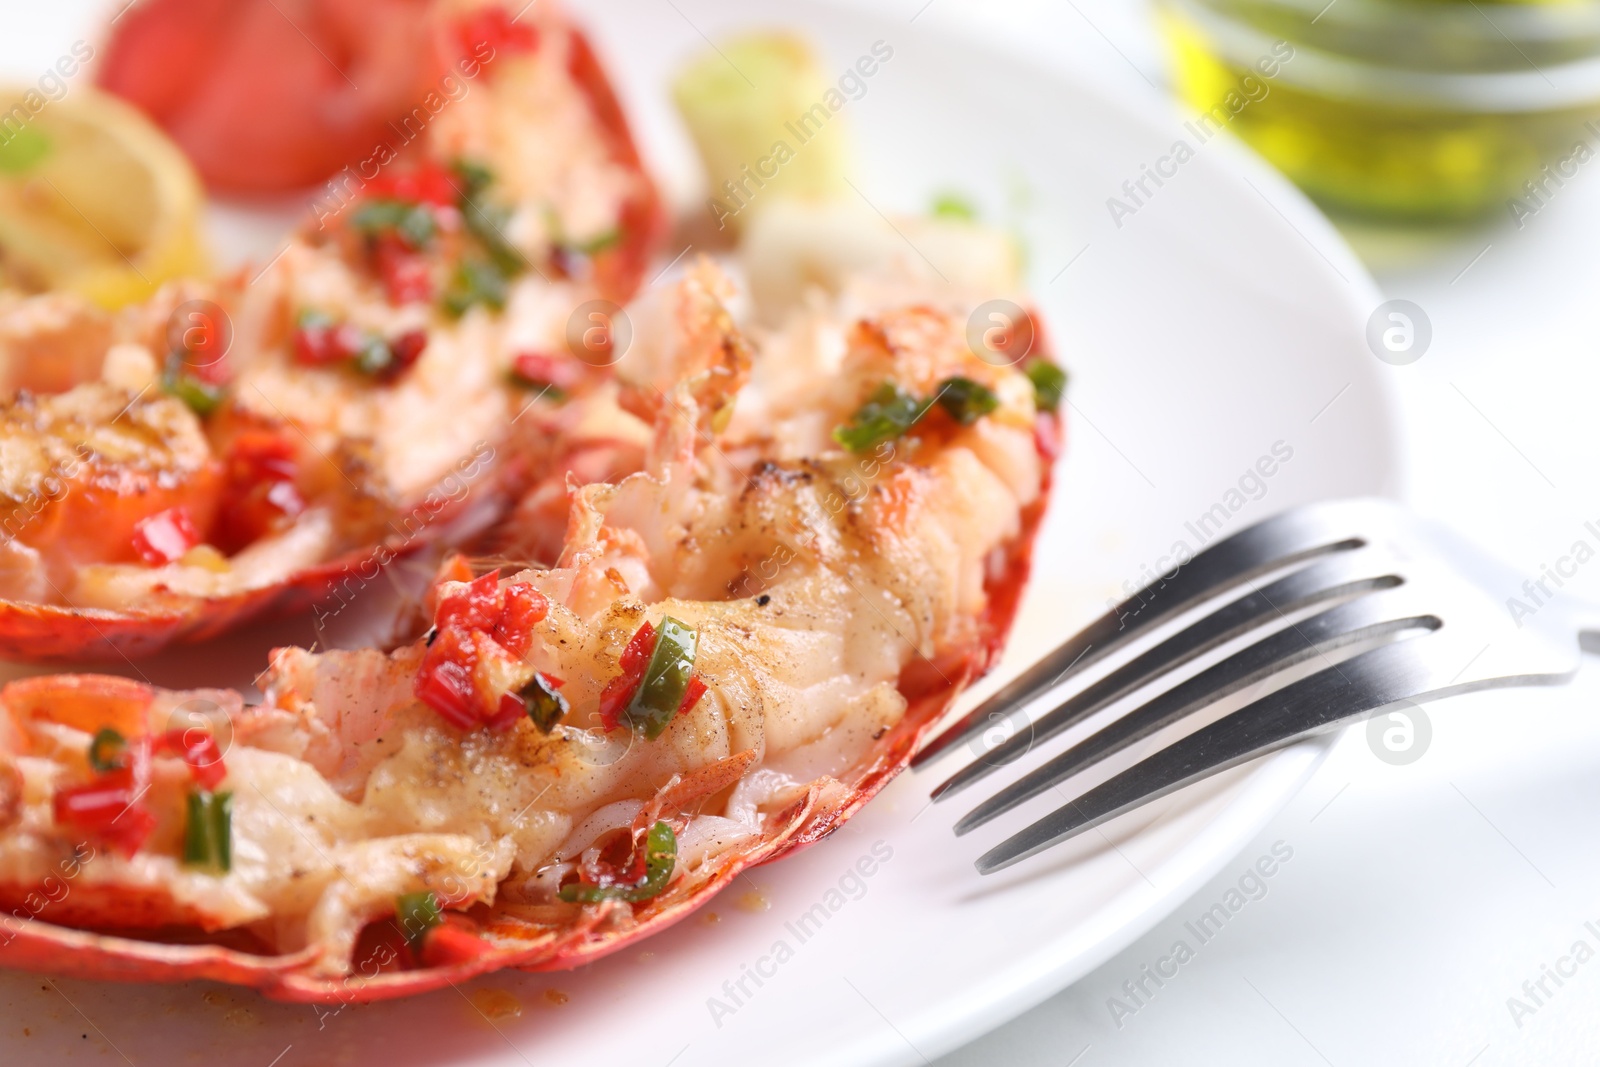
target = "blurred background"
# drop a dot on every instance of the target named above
(1451, 142)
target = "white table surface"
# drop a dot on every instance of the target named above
(1419, 898)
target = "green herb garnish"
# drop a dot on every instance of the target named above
(375, 357)
(201, 397)
(1049, 382)
(476, 281)
(208, 835)
(414, 223)
(890, 413)
(475, 176)
(546, 707)
(660, 859)
(106, 751)
(417, 913)
(665, 681)
(967, 401)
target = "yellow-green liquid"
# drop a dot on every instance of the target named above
(1383, 160)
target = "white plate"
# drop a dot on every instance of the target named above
(1220, 319)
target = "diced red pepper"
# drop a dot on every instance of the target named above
(319, 344)
(691, 695)
(406, 275)
(430, 183)
(525, 607)
(200, 751)
(562, 373)
(111, 806)
(313, 345)
(258, 456)
(636, 657)
(481, 618)
(614, 699)
(408, 348)
(448, 687)
(494, 26)
(165, 536)
(448, 944)
(96, 805)
(475, 608)
(261, 491)
(511, 710)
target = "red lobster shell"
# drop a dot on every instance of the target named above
(137, 65)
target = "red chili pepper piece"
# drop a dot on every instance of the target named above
(525, 607)
(110, 806)
(406, 275)
(447, 688)
(258, 456)
(165, 536)
(480, 617)
(313, 345)
(475, 608)
(511, 710)
(427, 184)
(551, 370)
(408, 348)
(619, 691)
(691, 695)
(261, 491)
(493, 26)
(448, 944)
(200, 751)
(636, 657)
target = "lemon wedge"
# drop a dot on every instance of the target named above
(94, 198)
(762, 111)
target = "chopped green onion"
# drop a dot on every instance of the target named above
(375, 357)
(415, 223)
(546, 707)
(201, 397)
(106, 750)
(546, 390)
(1049, 382)
(477, 281)
(418, 913)
(312, 319)
(487, 222)
(475, 176)
(890, 413)
(952, 206)
(666, 679)
(660, 859)
(595, 245)
(967, 401)
(208, 836)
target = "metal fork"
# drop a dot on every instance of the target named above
(1328, 576)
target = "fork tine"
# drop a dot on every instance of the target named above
(1332, 629)
(1325, 580)
(1310, 706)
(1296, 535)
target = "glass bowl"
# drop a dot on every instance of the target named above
(1425, 110)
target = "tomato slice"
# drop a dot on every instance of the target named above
(271, 95)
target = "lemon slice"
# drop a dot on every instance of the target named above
(94, 198)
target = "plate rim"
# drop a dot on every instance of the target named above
(1001, 1000)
